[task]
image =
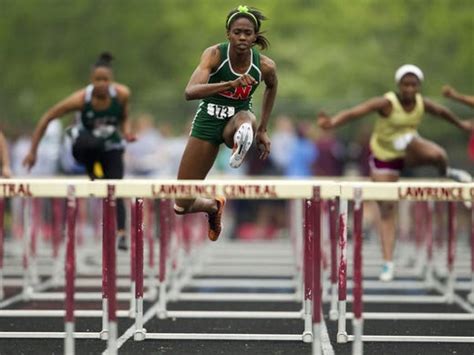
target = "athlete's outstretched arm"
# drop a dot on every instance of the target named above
(271, 86)
(441, 111)
(198, 86)
(369, 106)
(69, 104)
(4, 157)
(452, 93)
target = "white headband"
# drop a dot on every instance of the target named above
(408, 69)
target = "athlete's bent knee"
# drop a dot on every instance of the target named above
(387, 209)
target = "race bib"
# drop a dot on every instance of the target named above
(220, 111)
(103, 131)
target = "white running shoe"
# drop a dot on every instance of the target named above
(458, 175)
(388, 271)
(243, 139)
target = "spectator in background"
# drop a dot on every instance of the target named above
(4, 157)
(452, 93)
(48, 152)
(174, 147)
(331, 155)
(283, 138)
(303, 152)
(145, 156)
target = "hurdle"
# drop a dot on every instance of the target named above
(109, 192)
(391, 192)
(306, 314)
(271, 189)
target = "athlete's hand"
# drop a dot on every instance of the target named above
(6, 172)
(468, 125)
(263, 144)
(243, 80)
(324, 121)
(29, 160)
(448, 91)
(130, 137)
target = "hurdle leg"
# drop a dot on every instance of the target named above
(138, 212)
(27, 288)
(420, 237)
(333, 314)
(308, 268)
(429, 278)
(342, 276)
(317, 262)
(35, 215)
(111, 274)
(451, 252)
(152, 287)
(56, 239)
(133, 236)
(439, 242)
(470, 297)
(357, 322)
(164, 235)
(70, 271)
(325, 265)
(2, 240)
(105, 234)
(296, 235)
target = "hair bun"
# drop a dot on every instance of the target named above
(106, 57)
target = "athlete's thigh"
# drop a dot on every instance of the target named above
(234, 123)
(198, 158)
(112, 164)
(386, 208)
(421, 150)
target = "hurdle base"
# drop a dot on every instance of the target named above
(27, 292)
(333, 314)
(139, 335)
(449, 297)
(307, 337)
(342, 337)
(151, 294)
(69, 338)
(162, 314)
(470, 297)
(104, 335)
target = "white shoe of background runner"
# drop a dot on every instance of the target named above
(388, 272)
(460, 176)
(243, 139)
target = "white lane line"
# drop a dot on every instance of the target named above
(325, 341)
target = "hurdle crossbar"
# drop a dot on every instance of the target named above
(236, 189)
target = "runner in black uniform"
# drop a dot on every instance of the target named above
(100, 130)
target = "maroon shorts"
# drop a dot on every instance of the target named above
(394, 166)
